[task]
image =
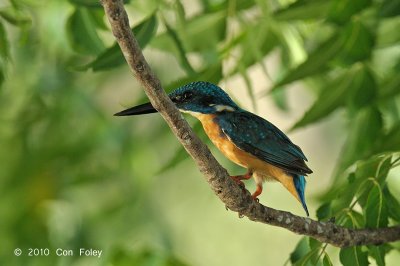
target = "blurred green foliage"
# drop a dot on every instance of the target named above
(71, 179)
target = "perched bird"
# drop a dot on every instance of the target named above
(243, 137)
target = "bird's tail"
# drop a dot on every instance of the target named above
(300, 185)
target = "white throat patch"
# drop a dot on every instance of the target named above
(221, 107)
(195, 114)
(217, 107)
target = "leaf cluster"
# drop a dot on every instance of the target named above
(342, 61)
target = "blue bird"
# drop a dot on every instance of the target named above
(243, 137)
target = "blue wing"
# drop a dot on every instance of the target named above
(262, 139)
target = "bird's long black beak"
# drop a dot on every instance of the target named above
(145, 108)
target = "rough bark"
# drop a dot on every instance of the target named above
(233, 196)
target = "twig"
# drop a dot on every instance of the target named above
(232, 195)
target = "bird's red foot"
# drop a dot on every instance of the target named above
(257, 192)
(239, 182)
(238, 178)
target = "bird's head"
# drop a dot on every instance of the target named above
(194, 98)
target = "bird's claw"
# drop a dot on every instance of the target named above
(241, 184)
(238, 181)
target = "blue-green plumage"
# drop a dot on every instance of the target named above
(201, 97)
(251, 135)
(300, 184)
(264, 140)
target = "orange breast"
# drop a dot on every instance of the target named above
(261, 169)
(230, 150)
(222, 142)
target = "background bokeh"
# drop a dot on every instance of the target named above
(73, 176)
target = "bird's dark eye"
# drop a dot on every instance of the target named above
(187, 96)
(182, 97)
(208, 101)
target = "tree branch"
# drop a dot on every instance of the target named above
(234, 197)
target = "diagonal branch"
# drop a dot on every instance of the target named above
(234, 197)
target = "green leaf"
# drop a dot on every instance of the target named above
(212, 26)
(316, 61)
(378, 253)
(280, 99)
(145, 31)
(180, 13)
(342, 10)
(327, 261)
(145, 257)
(390, 87)
(353, 43)
(113, 57)
(313, 243)
(82, 32)
(393, 204)
(214, 6)
(98, 18)
(301, 249)
(255, 44)
(200, 34)
(184, 62)
(368, 124)
(15, 17)
(358, 41)
(363, 89)
(324, 211)
(358, 186)
(304, 10)
(351, 178)
(249, 87)
(2, 75)
(368, 174)
(356, 220)
(388, 32)
(86, 3)
(390, 141)
(377, 166)
(350, 85)
(341, 196)
(376, 214)
(110, 58)
(308, 259)
(390, 8)
(90, 3)
(243, 4)
(330, 99)
(4, 45)
(353, 256)
(315, 247)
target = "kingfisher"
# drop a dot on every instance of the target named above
(243, 137)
